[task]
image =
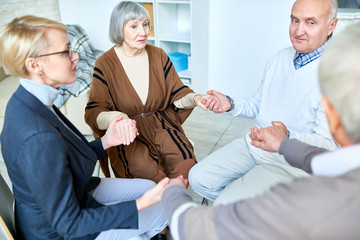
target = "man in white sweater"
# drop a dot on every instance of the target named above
(288, 94)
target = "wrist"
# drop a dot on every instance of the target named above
(196, 97)
(122, 115)
(104, 142)
(105, 118)
(139, 204)
(231, 102)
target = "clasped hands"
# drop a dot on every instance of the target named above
(214, 101)
(153, 196)
(269, 138)
(122, 130)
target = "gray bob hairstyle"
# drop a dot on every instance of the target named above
(121, 15)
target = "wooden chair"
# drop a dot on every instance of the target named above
(7, 217)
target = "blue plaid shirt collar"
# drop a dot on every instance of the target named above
(301, 59)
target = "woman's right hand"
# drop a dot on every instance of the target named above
(122, 130)
(153, 196)
(127, 129)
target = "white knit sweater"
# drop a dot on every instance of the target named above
(292, 97)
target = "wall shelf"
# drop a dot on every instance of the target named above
(173, 28)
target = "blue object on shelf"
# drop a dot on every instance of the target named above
(180, 61)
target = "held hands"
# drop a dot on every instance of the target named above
(224, 105)
(270, 138)
(153, 196)
(178, 181)
(206, 101)
(121, 130)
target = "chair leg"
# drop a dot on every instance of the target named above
(205, 202)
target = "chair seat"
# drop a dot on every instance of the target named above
(7, 209)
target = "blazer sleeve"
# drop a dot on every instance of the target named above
(96, 146)
(299, 154)
(308, 208)
(51, 183)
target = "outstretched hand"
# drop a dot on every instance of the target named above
(120, 131)
(153, 196)
(270, 138)
(225, 104)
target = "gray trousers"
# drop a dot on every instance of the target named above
(152, 220)
(239, 171)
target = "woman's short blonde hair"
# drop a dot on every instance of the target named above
(22, 38)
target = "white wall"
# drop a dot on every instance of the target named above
(9, 9)
(93, 16)
(243, 36)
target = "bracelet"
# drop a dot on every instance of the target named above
(288, 134)
(231, 102)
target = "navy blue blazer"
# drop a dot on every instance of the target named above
(50, 169)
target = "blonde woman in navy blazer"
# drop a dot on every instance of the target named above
(50, 163)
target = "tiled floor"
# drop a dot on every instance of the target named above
(208, 131)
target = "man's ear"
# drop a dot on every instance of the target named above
(336, 127)
(332, 26)
(33, 67)
(332, 115)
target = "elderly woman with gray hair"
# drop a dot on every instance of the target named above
(138, 81)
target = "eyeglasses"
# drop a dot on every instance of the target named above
(68, 52)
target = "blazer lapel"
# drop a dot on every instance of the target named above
(69, 124)
(32, 102)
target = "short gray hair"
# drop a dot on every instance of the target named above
(339, 76)
(334, 9)
(123, 13)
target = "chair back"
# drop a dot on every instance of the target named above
(7, 217)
